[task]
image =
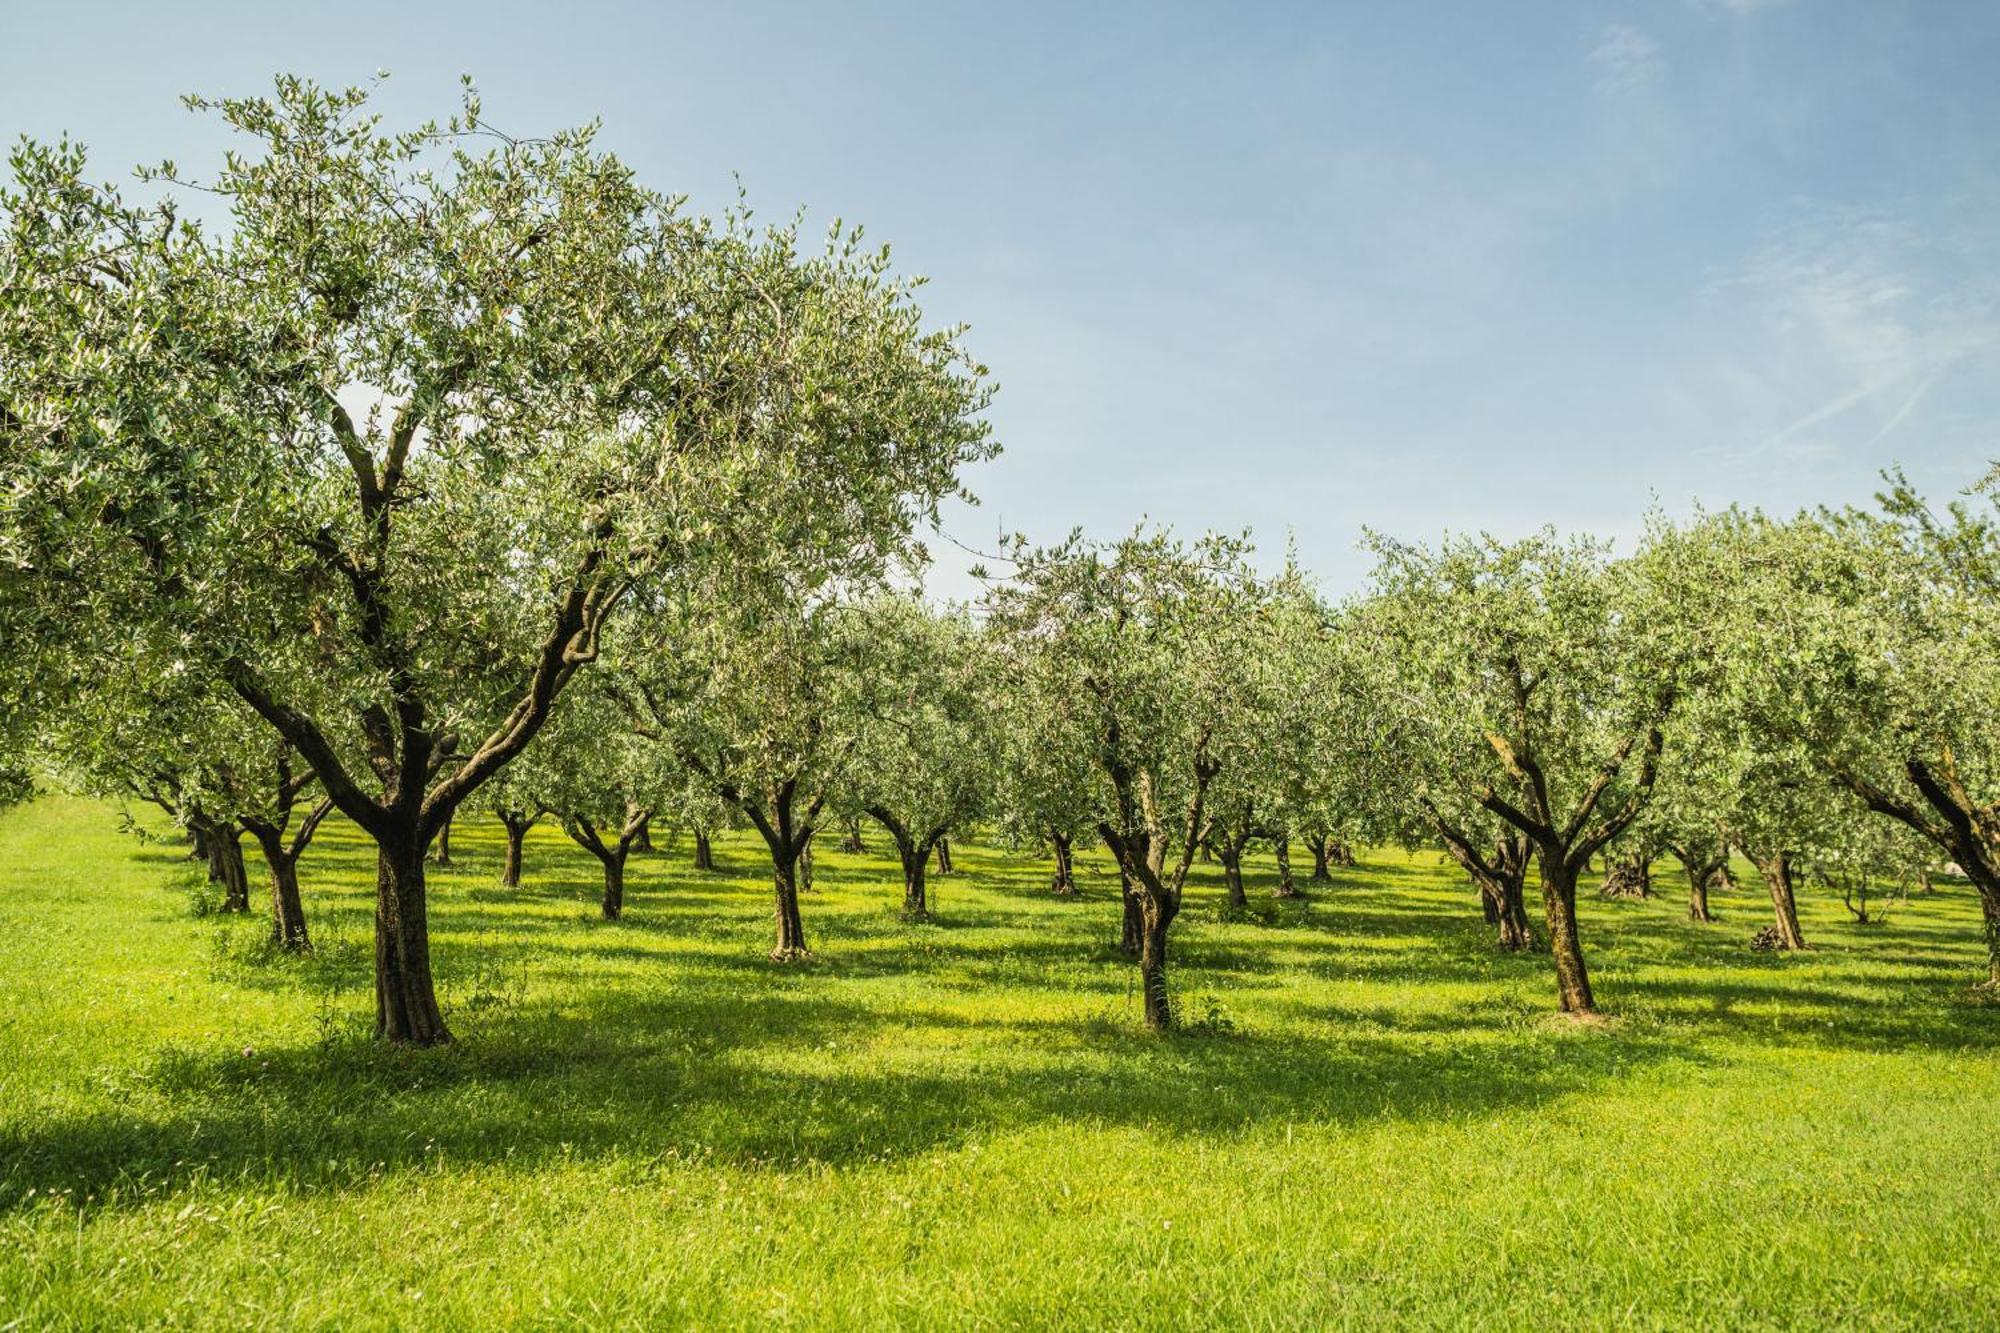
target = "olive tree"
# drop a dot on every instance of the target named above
(1146, 633)
(511, 797)
(1878, 660)
(1530, 680)
(1047, 777)
(757, 688)
(603, 782)
(927, 750)
(129, 727)
(384, 453)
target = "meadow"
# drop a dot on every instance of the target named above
(1368, 1114)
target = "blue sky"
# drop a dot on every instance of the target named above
(1296, 268)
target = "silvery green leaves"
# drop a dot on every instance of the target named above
(383, 450)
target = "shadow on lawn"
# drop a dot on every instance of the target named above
(669, 1034)
(782, 1076)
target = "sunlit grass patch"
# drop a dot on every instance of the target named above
(962, 1122)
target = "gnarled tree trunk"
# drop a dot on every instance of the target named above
(1322, 866)
(441, 846)
(612, 854)
(517, 834)
(1499, 878)
(1511, 907)
(1776, 868)
(916, 906)
(1698, 909)
(1154, 921)
(1559, 899)
(704, 854)
(406, 1007)
(1065, 880)
(944, 856)
(288, 913)
(791, 941)
(1230, 853)
(1282, 846)
(1989, 906)
(1706, 869)
(225, 866)
(612, 906)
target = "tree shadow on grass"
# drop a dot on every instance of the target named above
(785, 1076)
(670, 1034)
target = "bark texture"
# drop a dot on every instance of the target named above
(1282, 847)
(1064, 884)
(1776, 868)
(441, 846)
(1559, 899)
(406, 1007)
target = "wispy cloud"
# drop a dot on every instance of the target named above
(1737, 6)
(1855, 320)
(1626, 59)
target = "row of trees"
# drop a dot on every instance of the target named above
(462, 473)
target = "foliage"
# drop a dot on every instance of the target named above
(385, 454)
(1150, 633)
(926, 751)
(1531, 680)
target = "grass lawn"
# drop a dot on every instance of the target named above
(1371, 1117)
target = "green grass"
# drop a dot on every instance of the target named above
(1371, 1118)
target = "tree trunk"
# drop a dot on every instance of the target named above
(1698, 899)
(613, 906)
(1777, 872)
(441, 846)
(944, 856)
(1989, 905)
(1134, 925)
(1153, 967)
(510, 870)
(1629, 876)
(791, 943)
(1559, 897)
(1322, 869)
(1231, 853)
(288, 913)
(704, 855)
(644, 842)
(198, 846)
(1504, 905)
(915, 861)
(406, 1007)
(1512, 918)
(1699, 878)
(226, 848)
(852, 843)
(1065, 881)
(1286, 888)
